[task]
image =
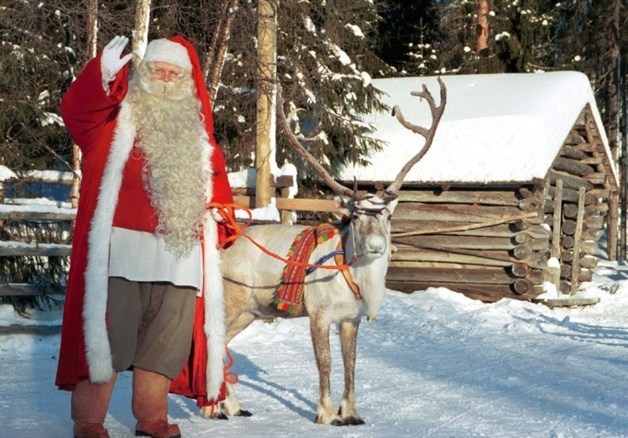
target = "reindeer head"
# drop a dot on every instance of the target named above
(369, 218)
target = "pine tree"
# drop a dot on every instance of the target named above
(325, 63)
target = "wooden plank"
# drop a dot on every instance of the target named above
(474, 197)
(462, 274)
(19, 289)
(536, 260)
(558, 202)
(533, 276)
(576, 248)
(470, 242)
(499, 230)
(298, 204)
(458, 213)
(443, 256)
(36, 216)
(42, 249)
(568, 301)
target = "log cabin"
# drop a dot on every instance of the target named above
(515, 195)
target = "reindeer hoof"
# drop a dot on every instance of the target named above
(215, 416)
(335, 422)
(243, 413)
(354, 421)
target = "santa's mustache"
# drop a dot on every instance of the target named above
(169, 90)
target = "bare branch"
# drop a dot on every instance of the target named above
(428, 134)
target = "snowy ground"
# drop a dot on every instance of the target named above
(434, 364)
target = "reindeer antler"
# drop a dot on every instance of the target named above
(428, 134)
(335, 186)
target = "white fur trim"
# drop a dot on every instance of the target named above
(213, 297)
(164, 50)
(97, 348)
(214, 313)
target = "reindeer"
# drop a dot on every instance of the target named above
(252, 277)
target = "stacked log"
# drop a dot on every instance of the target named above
(577, 204)
(487, 244)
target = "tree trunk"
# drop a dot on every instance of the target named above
(218, 48)
(92, 39)
(266, 99)
(140, 31)
(482, 29)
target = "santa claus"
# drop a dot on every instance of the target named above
(144, 290)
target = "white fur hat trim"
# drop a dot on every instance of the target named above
(164, 50)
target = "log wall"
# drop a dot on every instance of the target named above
(494, 242)
(486, 244)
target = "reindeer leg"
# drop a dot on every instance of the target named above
(348, 341)
(230, 406)
(325, 413)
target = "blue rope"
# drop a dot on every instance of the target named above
(323, 259)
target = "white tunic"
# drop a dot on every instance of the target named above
(142, 256)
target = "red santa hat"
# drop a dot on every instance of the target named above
(164, 50)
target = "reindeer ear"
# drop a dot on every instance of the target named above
(344, 203)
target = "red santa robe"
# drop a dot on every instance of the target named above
(101, 126)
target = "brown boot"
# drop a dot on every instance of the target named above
(150, 405)
(89, 430)
(157, 429)
(89, 408)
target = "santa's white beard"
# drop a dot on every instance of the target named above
(171, 135)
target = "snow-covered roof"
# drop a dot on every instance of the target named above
(6, 173)
(495, 128)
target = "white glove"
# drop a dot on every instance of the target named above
(110, 61)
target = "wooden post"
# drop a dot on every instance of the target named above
(266, 99)
(558, 207)
(612, 226)
(575, 264)
(554, 268)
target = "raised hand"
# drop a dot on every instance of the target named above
(110, 61)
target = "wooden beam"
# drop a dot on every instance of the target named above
(298, 204)
(42, 249)
(19, 289)
(36, 216)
